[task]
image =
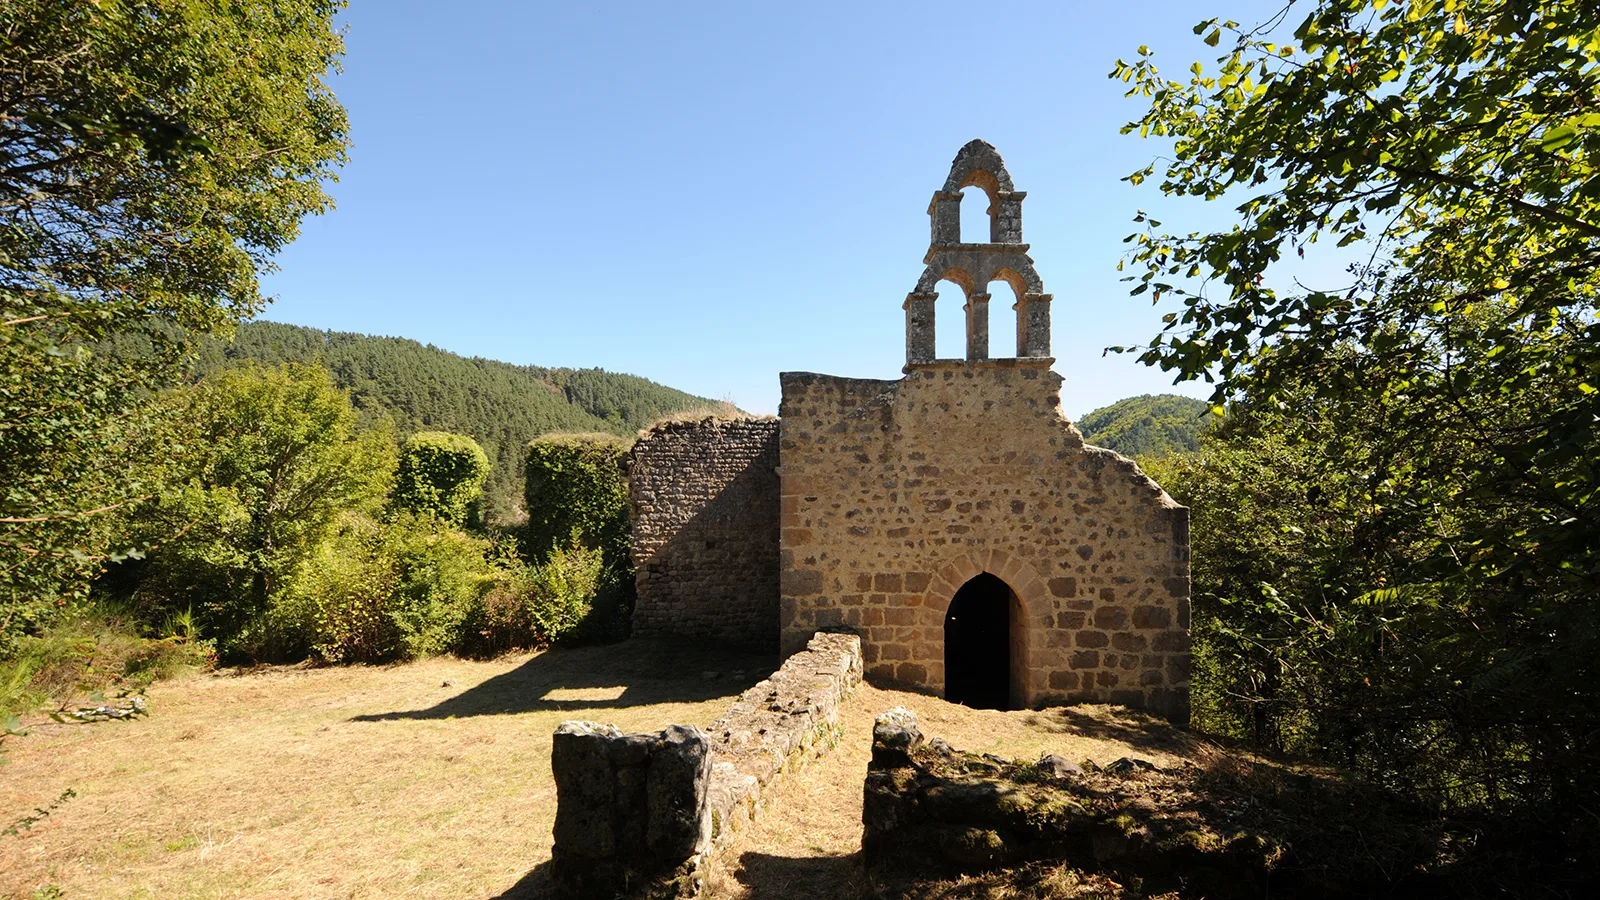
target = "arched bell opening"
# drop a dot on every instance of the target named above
(950, 333)
(977, 221)
(1003, 319)
(984, 646)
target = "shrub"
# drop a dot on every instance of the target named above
(339, 607)
(95, 649)
(536, 605)
(266, 463)
(397, 589)
(442, 474)
(441, 577)
(577, 496)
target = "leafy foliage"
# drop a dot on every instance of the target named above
(153, 157)
(540, 604)
(94, 650)
(395, 589)
(1443, 400)
(268, 462)
(1148, 425)
(578, 500)
(577, 496)
(284, 545)
(423, 388)
(441, 474)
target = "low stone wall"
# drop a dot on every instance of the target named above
(929, 807)
(638, 814)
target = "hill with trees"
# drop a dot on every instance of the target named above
(423, 388)
(1148, 425)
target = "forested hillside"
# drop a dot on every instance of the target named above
(1148, 425)
(421, 387)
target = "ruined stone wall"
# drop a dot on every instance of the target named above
(638, 814)
(930, 808)
(704, 498)
(895, 493)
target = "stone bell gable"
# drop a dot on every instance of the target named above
(955, 519)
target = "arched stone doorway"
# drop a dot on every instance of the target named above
(983, 654)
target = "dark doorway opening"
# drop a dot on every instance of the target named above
(977, 644)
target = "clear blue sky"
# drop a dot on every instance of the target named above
(709, 194)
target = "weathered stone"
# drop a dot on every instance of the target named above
(631, 749)
(585, 788)
(977, 802)
(705, 505)
(869, 504)
(1059, 766)
(680, 773)
(1127, 765)
(974, 848)
(894, 736)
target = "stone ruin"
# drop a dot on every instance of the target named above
(953, 518)
(639, 814)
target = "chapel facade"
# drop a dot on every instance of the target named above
(954, 518)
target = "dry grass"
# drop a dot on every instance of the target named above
(723, 410)
(339, 782)
(384, 782)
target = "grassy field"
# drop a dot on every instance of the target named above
(432, 779)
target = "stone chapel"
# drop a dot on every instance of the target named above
(953, 518)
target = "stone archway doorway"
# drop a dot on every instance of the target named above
(982, 645)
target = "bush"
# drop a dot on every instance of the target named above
(398, 589)
(442, 576)
(266, 463)
(536, 605)
(96, 649)
(442, 474)
(577, 496)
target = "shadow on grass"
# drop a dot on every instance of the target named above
(1133, 728)
(536, 885)
(823, 877)
(638, 672)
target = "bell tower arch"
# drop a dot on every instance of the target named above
(974, 265)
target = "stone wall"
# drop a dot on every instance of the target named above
(896, 493)
(1230, 828)
(638, 814)
(704, 497)
(630, 808)
(927, 807)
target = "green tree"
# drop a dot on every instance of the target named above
(154, 155)
(1451, 384)
(269, 461)
(442, 474)
(399, 587)
(1148, 425)
(422, 388)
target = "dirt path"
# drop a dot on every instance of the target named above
(807, 841)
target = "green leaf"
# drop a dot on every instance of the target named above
(1557, 137)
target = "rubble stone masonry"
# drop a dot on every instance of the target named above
(896, 493)
(704, 497)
